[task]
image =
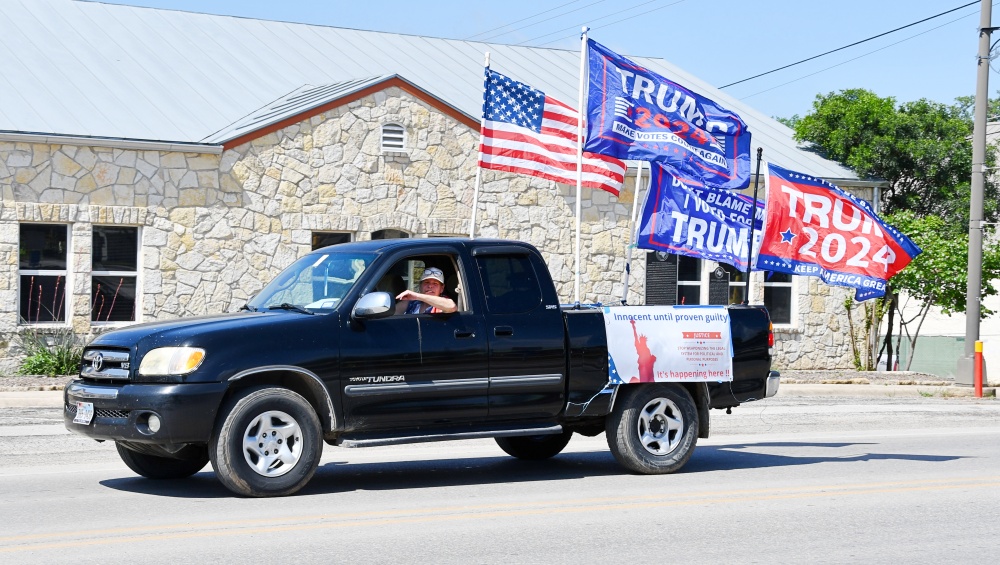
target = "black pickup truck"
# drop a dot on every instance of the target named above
(323, 354)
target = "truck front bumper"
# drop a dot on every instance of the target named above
(185, 413)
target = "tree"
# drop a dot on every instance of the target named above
(938, 277)
(923, 150)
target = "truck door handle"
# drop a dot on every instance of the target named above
(503, 331)
(460, 334)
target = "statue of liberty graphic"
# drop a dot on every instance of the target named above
(646, 358)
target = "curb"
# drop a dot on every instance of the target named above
(32, 399)
(876, 391)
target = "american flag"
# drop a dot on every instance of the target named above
(524, 131)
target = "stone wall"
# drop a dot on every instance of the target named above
(819, 337)
(216, 228)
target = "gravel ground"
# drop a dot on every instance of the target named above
(13, 383)
(9, 383)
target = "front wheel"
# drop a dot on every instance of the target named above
(156, 467)
(653, 428)
(534, 448)
(269, 444)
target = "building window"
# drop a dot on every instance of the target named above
(42, 260)
(737, 283)
(688, 280)
(778, 296)
(114, 276)
(390, 234)
(322, 239)
(393, 138)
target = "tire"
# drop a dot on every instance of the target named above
(653, 430)
(250, 464)
(534, 448)
(155, 467)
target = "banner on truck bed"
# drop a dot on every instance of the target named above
(668, 344)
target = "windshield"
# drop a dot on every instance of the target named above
(316, 282)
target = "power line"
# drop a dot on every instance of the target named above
(545, 20)
(520, 20)
(858, 57)
(847, 46)
(647, 12)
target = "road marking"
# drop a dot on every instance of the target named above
(37, 542)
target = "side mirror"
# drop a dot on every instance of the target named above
(372, 306)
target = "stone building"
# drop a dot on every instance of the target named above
(145, 186)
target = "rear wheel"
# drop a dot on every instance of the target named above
(269, 444)
(156, 467)
(534, 447)
(653, 428)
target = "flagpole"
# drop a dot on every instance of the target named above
(479, 170)
(753, 222)
(633, 231)
(579, 156)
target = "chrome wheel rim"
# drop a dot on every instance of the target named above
(660, 426)
(272, 443)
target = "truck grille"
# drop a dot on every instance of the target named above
(105, 364)
(100, 412)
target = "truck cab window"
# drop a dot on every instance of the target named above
(407, 273)
(510, 284)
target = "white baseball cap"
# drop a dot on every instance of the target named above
(433, 273)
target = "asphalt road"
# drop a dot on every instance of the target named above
(831, 480)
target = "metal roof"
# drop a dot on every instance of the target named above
(87, 69)
(298, 101)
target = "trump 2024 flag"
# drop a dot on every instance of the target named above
(813, 228)
(524, 131)
(634, 113)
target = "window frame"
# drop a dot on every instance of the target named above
(735, 286)
(64, 273)
(701, 282)
(136, 310)
(792, 303)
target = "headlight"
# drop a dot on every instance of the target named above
(171, 361)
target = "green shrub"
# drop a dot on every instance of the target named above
(50, 352)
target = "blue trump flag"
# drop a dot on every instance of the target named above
(634, 113)
(706, 223)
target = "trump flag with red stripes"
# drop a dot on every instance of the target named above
(524, 131)
(814, 228)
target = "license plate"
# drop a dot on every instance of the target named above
(84, 413)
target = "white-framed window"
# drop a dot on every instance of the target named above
(393, 138)
(689, 280)
(778, 292)
(324, 238)
(737, 283)
(43, 257)
(114, 274)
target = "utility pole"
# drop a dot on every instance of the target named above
(973, 293)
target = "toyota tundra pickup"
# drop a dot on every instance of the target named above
(325, 354)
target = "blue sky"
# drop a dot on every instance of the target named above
(721, 41)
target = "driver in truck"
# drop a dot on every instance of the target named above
(429, 300)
